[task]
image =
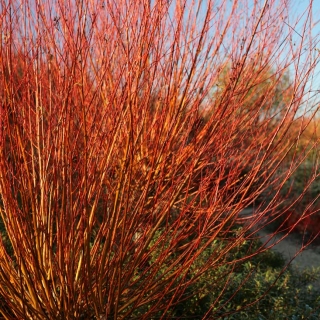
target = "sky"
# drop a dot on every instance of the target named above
(298, 7)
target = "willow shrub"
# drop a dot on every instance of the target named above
(112, 188)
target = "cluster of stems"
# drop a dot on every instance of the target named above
(132, 134)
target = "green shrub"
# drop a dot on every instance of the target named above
(290, 295)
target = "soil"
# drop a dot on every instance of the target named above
(292, 247)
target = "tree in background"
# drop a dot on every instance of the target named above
(112, 190)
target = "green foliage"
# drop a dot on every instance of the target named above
(281, 294)
(297, 183)
(292, 296)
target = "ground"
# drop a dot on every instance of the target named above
(290, 246)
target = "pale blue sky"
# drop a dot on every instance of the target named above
(298, 7)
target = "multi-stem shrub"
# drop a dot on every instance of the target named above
(122, 158)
